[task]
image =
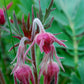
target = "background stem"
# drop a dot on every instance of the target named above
(75, 45)
(2, 78)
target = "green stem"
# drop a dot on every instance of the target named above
(75, 45)
(2, 61)
(10, 29)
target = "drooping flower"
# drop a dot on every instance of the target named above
(50, 70)
(21, 71)
(45, 40)
(23, 74)
(2, 17)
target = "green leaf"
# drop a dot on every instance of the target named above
(44, 4)
(79, 19)
(26, 6)
(55, 28)
(81, 44)
(75, 79)
(81, 72)
(60, 17)
(69, 7)
(68, 59)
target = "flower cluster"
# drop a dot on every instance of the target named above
(49, 68)
(45, 41)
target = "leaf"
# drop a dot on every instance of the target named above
(81, 72)
(79, 19)
(60, 17)
(69, 7)
(78, 79)
(81, 44)
(26, 6)
(68, 59)
(75, 79)
(23, 9)
(44, 4)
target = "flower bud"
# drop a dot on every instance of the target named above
(23, 74)
(50, 72)
(2, 18)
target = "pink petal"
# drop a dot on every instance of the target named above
(45, 80)
(56, 78)
(27, 81)
(57, 33)
(57, 58)
(9, 5)
(59, 42)
(24, 80)
(41, 45)
(28, 51)
(18, 37)
(15, 80)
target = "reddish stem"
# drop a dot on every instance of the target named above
(34, 64)
(2, 78)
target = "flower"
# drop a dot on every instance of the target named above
(49, 71)
(21, 71)
(45, 41)
(2, 17)
(23, 74)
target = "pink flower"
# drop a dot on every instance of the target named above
(50, 71)
(45, 41)
(21, 71)
(2, 17)
(23, 74)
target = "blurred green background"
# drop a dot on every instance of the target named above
(69, 19)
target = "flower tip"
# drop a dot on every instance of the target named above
(9, 5)
(65, 46)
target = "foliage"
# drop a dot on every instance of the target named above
(68, 19)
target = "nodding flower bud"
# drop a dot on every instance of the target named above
(43, 39)
(21, 71)
(2, 18)
(23, 74)
(51, 71)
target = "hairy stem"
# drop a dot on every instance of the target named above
(34, 64)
